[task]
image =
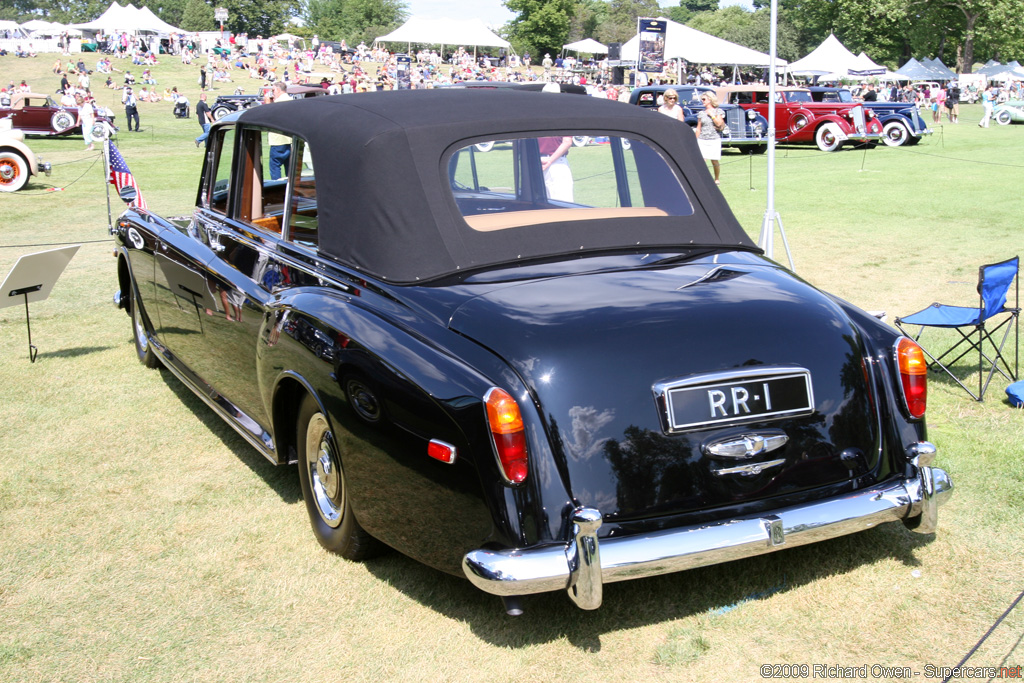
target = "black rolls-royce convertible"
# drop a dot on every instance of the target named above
(542, 367)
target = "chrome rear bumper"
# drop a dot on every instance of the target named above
(583, 565)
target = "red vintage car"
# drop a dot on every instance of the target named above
(799, 119)
(36, 114)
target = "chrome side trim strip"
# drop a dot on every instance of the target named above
(560, 566)
(265, 449)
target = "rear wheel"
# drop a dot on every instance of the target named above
(484, 146)
(324, 487)
(895, 134)
(1003, 118)
(13, 171)
(827, 140)
(62, 120)
(143, 349)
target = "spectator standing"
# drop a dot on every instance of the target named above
(986, 101)
(709, 138)
(670, 105)
(202, 77)
(869, 93)
(204, 117)
(280, 145)
(86, 119)
(131, 108)
(953, 102)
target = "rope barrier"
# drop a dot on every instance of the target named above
(60, 189)
(53, 244)
(984, 637)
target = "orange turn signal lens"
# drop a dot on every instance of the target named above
(507, 434)
(913, 367)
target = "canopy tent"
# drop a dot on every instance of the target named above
(42, 29)
(445, 32)
(15, 30)
(866, 65)
(588, 45)
(916, 71)
(697, 47)
(936, 64)
(832, 60)
(129, 19)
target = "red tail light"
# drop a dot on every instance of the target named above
(913, 375)
(507, 434)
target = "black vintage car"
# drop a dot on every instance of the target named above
(239, 101)
(541, 367)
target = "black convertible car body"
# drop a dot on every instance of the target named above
(543, 367)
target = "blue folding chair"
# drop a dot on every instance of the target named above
(994, 282)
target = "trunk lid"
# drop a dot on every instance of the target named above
(671, 390)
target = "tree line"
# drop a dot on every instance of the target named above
(959, 32)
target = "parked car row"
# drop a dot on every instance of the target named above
(826, 117)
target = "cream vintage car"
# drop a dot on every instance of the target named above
(17, 161)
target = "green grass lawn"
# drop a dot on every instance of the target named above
(142, 540)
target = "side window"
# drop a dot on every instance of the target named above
(276, 181)
(217, 199)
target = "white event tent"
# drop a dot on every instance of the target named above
(697, 47)
(445, 32)
(588, 45)
(129, 19)
(832, 60)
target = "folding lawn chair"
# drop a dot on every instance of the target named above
(994, 282)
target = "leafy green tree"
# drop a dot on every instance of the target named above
(171, 11)
(197, 16)
(587, 18)
(622, 15)
(353, 20)
(540, 25)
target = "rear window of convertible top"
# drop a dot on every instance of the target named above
(504, 184)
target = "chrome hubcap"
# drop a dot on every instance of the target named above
(7, 172)
(325, 477)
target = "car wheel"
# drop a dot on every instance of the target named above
(1003, 118)
(580, 140)
(220, 112)
(324, 488)
(61, 121)
(827, 140)
(143, 349)
(895, 134)
(13, 171)
(484, 146)
(757, 149)
(100, 131)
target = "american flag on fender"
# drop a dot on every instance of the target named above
(120, 176)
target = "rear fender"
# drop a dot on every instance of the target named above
(388, 391)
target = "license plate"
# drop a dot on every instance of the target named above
(736, 397)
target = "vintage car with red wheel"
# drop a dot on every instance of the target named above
(37, 114)
(542, 367)
(799, 119)
(17, 161)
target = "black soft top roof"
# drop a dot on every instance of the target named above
(384, 201)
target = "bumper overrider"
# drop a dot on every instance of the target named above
(583, 565)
